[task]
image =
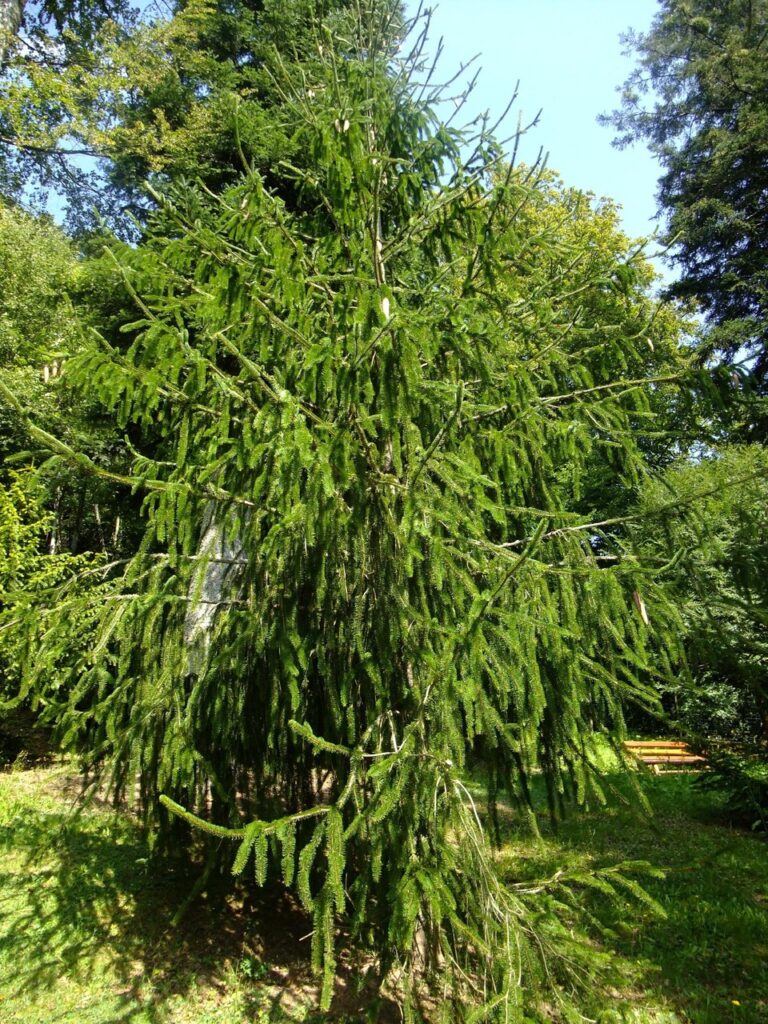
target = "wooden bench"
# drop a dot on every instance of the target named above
(670, 755)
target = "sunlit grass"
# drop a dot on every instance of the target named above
(86, 934)
(706, 960)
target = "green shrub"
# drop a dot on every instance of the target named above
(31, 570)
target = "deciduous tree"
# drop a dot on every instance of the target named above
(715, 524)
(95, 109)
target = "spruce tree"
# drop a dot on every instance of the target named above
(362, 573)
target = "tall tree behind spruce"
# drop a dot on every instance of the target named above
(699, 99)
(55, 38)
(77, 19)
(716, 547)
(41, 327)
(11, 13)
(94, 114)
(48, 511)
(720, 582)
(659, 359)
(383, 441)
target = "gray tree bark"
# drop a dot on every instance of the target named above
(221, 561)
(11, 13)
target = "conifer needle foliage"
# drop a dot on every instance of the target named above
(361, 574)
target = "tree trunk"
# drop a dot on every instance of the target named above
(11, 13)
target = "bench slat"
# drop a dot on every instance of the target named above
(693, 759)
(677, 745)
(668, 753)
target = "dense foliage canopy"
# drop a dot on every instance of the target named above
(202, 102)
(714, 520)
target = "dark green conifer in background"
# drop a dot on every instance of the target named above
(698, 98)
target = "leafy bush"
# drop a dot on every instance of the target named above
(29, 574)
(712, 531)
(713, 518)
(38, 322)
(743, 776)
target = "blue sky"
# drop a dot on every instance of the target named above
(567, 56)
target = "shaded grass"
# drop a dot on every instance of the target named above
(86, 934)
(85, 912)
(706, 960)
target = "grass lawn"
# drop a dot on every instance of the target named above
(706, 961)
(86, 933)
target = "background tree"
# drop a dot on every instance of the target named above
(361, 562)
(608, 280)
(698, 99)
(714, 520)
(11, 12)
(80, 18)
(711, 520)
(29, 573)
(38, 321)
(201, 102)
(57, 36)
(43, 323)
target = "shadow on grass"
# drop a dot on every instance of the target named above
(22, 740)
(708, 958)
(82, 901)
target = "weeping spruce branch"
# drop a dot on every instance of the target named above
(366, 396)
